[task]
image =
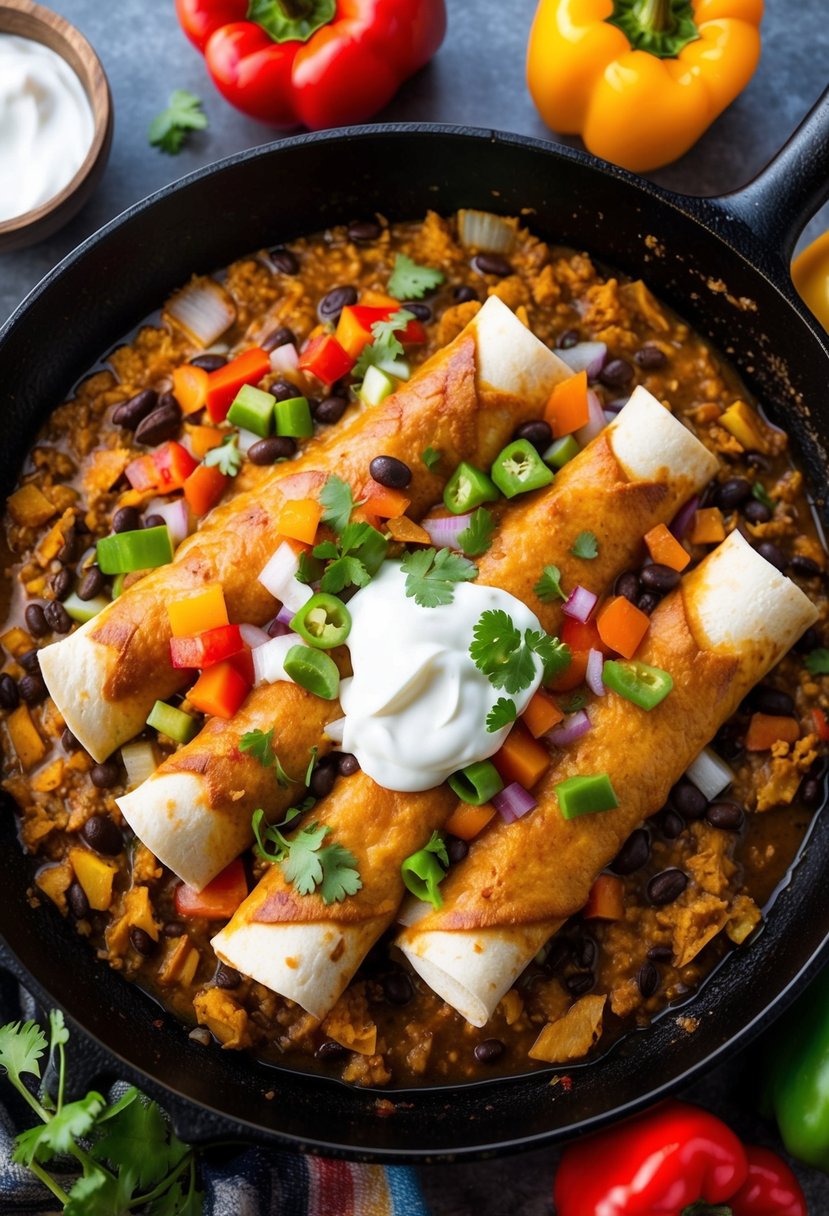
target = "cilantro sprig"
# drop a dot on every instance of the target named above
(127, 1152)
(586, 545)
(259, 744)
(430, 457)
(226, 456)
(431, 575)
(170, 128)
(409, 281)
(759, 491)
(817, 662)
(385, 346)
(548, 586)
(476, 538)
(502, 713)
(354, 559)
(507, 657)
(307, 863)
(337, 501)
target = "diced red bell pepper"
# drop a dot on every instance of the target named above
(225, 382)
(219, 899)
(821, 725)
(220, 690)
(208, 648)
(174, 464)
(204, 487)
(142, 473)
(324, 358)
(581, 635)
(243, 662)
(573, 675)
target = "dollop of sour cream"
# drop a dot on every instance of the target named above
(416, 706)
(46, 124)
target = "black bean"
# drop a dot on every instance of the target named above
(757, 460)
(664, 888)
(772, 554)
(227, 977)
(173, 928)
(329, 1049)
(330, 410)
(129, 413)
(32, 689)
(558, 954)
(585, 951)
(68, 741)
(30, 661)
(268, 451)
(580, 983)
(733, 493)
(647, 979)
(284, 260)
(101, 834)
(283, 336)
(284, 390)
(810, 640)
(397, 988)
(647, 602)
(322, 780)
(36, 622)
(58, 618)
(616, 373)
(209, 363)
(568, 339)
(105, 775)
(728, 816)
(154, 521)
(456, 849)
(348, 765)
(633, 854)
(671, 823)
(489, 1051)
(141, 942)
(163, 423)
(537, 432)
(420, 311)
(659, 578)
(650, 357)
(661, 954)
(728, 742)
(805, 567)
(68, 551)
(770, 700)
(334, 301)
(126, 519)
(688, 800)
(91, 584)
(756, 512)
(77, 901)
(61, 583)
(390, 472)
(628, 585)
(810, 792)
(491, 263)
(9, 696)
(363, 232)
(463, 294)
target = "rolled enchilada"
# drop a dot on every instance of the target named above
(731, 620)
(466, 401)
(635, 474)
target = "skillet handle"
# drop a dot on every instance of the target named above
(784, 196)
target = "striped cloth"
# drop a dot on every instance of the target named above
(253, 1182)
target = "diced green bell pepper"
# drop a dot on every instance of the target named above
(143, 549)
(173, 722)
(293, 418)
(253, 409)
(586, 795)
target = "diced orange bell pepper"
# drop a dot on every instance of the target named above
(204, 487)
(567, 409)
(468, 821)
(764, 730)
(747, 427)
(380, 500)
(225, 382)
(542, 714)
(622, 626)
(521, 759)
(219, 690)
(219, 899)
(709, 528)
(821, 725)
(190, 388)
(407, 531)
(299, 520)
(204, 438)
(324, 358)
(197, 613)
(665, 549)
(573, 675)
(378, 299)
(353, 330)
(606, 900)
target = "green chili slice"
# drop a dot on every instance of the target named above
(143, 549)
(561, 451)
(293, 418)
(467, 488)
(173, 722)
(313, 670)
(324, 621)
(423, 871)
(252, 409)
(519, 468)
(586, 795)
(638, 682)
(476, 783)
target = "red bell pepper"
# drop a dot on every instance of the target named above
(219, 899)
(324, 358)
(581, 635)
(174, 464)
(673, 1161)
(322, 63)
(225, 382)
(205, 649)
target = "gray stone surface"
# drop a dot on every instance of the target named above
(478, 79)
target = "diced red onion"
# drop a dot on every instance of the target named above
(276, 629)
(445, 532)
(513, 801)
(269, 660)
(579, 604)
(286, 615)
(596, 421)
(253, 636)
(572, 728)
(176, 515)
(203, 309)
(279, 577)
(684, 517)
(285, 358)
(709, 773)
(585, 357)
(593, 674)
(335, 730)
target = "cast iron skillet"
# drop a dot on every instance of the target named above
(723, 264)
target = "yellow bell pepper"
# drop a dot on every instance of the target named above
(640, 80)
(810, 275)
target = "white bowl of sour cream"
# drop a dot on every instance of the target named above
(55, 122)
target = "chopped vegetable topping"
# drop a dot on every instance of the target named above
(817, 661)
(548, 586)
(431, 575)
(169, 129)
(467, 488)
(173, 722)
(338, 502)
(306, 864)
(476, 538)
(476, 783)
(424, 870)
(640, 683)
(502, 713)
(143, 549)
(562, 451)
(323, 622)
(385, 346)
(293, 418)
(411, 282)
(196, 613)
(762, 495)
(259, 744)
(313, 670)
(355, 560)
(252, 409)
(586, 795)
(519, 468)
(226, 458)
(312, 760)
(500, 652)
(430, 457)
(586, 545)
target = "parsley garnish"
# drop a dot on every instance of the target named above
(227, 456)
(430, 457)
(337, 499)
(762, 495)
(354, 560)
(168, 130)
(506, 658)
(385, 346)
(127, 1151)
(308, 569)
(586, 545)
(409, 281)
(477, 537)
(259, 743)
(502, 713)
(305, 863)
(817, 662)
(431, 575)
(548, 586)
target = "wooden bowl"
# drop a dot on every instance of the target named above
(29, 20)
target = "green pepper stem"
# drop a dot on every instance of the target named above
(658, 27)
(656, 16)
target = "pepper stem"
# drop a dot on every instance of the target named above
(655, 16)
(291, 20)
(659, 27)
(295, 10)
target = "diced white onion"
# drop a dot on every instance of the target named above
(485, 231)
(253, 636)
(246, 440)
(279, 577)
(285, 359)
(269, 660)
(709, 773)
(140, 760)
(176, 515)
(335, 730)
(203, 309)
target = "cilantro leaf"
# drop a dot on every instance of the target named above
(759, 491)
(817, 661)
(476, 538)
(311, 764)
(555, 655)
(168, 130)
(308, 865)
(506, 658)
(137, 1136)
(73, 1121)
(21, 1048)
(431, 575)
(226, 456)
(502, 713)
(95, 1194)
(437, 845)
(576, 702)
(259, 743)
(409, 281)
(430, 457)
(586, 546)
(385, 346)
(357, 557)
(337, 499)
(340, 876)
(548, 586)
(308, 569)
